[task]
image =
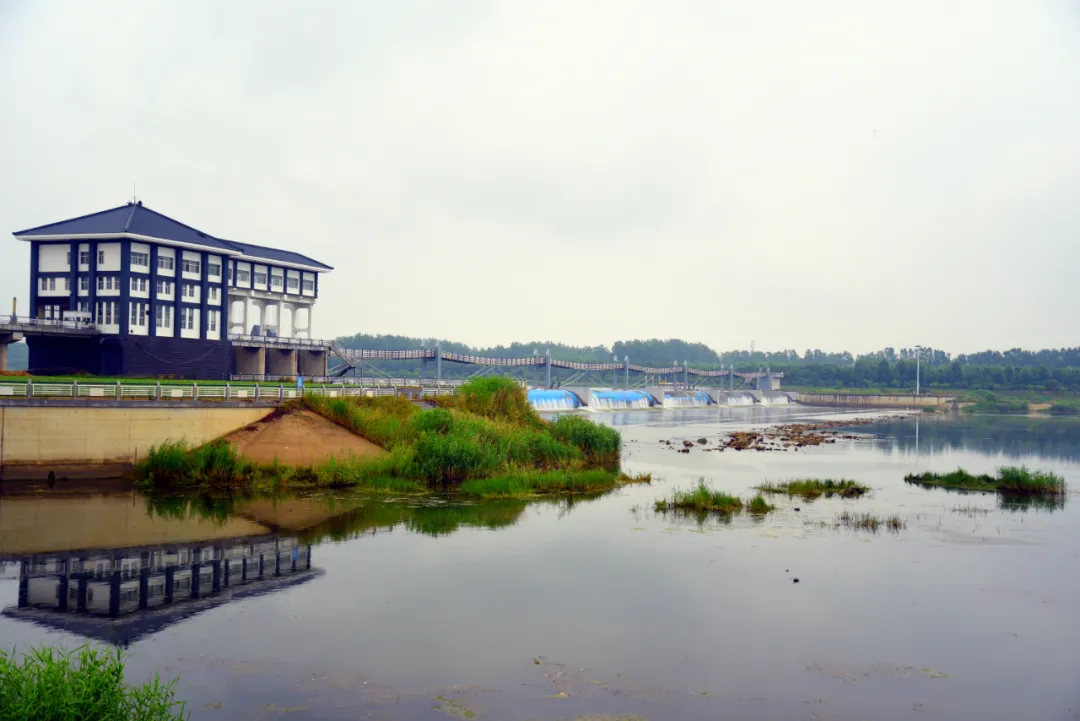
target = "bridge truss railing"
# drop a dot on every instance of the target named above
(355, 358)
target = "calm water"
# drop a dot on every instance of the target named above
(559, 610)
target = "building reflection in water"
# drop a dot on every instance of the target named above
(120, 596)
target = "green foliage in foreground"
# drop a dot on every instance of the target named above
(813, 488)
(53, 685)
(703, 499)
(1016, 480)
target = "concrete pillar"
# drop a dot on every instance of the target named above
(196, 571)
(250, 361)
(62, 593)
(3, 356)
(547, 366)
(280, 362)
(313, 363)
(626, 371)
(114, 595)
(24, 567)
(170, 574)
(216, 583)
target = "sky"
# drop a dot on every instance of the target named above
(836, 175)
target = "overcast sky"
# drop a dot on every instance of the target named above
(842, 175)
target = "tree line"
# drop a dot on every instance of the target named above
(1055, 369)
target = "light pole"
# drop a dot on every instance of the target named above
(918, 351)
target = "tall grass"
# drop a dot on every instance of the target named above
(1015, 480)
(177, 464)
(48, 684)
(600, 445)
(494, 397)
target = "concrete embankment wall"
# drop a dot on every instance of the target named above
(37, 438)
(871, 401)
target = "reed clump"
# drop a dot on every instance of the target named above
(703, 499)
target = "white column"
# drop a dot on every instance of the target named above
(277, 317)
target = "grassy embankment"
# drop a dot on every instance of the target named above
(1010, 480)
(486, 441)
(702, 501)
(57, 685)
(813, 488)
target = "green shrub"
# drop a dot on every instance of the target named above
(176, 463)
(452, 458)
(599, 444)
(52, 685)
(496, 398)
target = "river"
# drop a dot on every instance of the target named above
(600, 608)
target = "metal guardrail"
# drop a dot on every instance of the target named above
(27, 324)
(367, 381)
(264, 392)
(273, 341)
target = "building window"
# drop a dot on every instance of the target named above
(164, 287)
(84, 282)
(67, 283)
(187, 319)
(188, 290)
(52, 283)
(275, 281)
(164, 316)
(138, 314)
(260, 279)
(101, 257)
(165, 262)
(84, 306)
(243, 276)
(294, 283)
(213, 294)
(69, 258)
(214, 269)
(138, 285)
(142, 259)
(84, 257)
(191, 266)
(309, 285)
(108, 282)
(51, 312)
(212, 320)
(106, 313)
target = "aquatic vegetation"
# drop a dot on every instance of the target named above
(600, 445)
(813, 488)
(1013, 480)
(522, 485)
(869, 522)
(87, 683)
(759, 506)
(703, 500)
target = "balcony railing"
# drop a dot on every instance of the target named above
(27, 323)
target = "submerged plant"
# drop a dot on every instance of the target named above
(813, 488)
(869, 522)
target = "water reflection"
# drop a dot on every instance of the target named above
(120, 595)
(1010, 436)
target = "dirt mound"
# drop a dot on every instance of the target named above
(298, 438)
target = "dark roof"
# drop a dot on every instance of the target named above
(273, 254)
(140, 220)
